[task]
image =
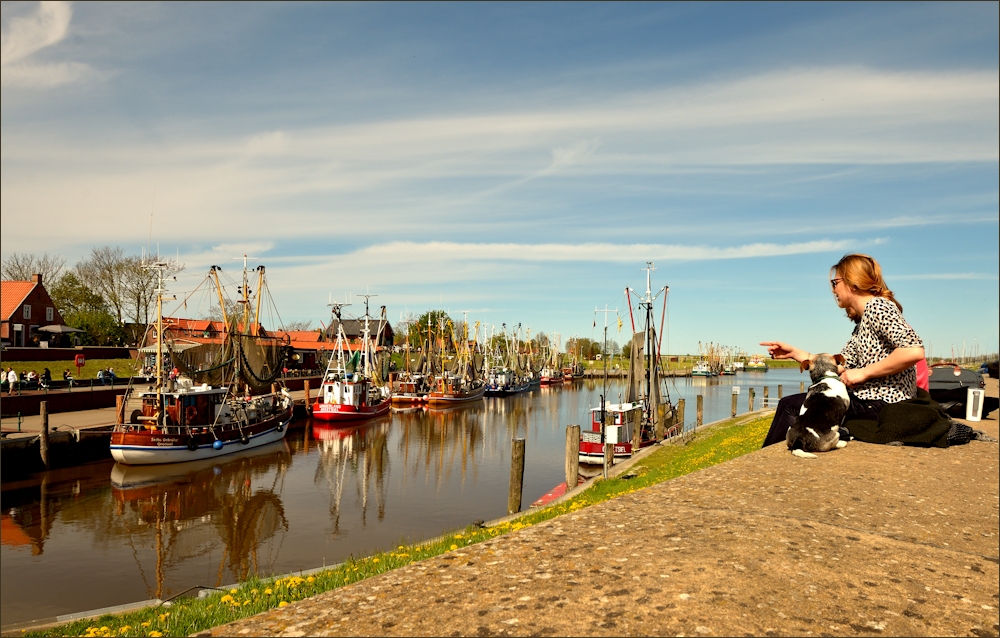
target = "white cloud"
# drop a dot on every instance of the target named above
(23, 36)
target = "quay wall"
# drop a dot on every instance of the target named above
(67, 354)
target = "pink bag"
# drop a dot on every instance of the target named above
(923, 376)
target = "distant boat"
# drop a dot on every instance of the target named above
(702, 369)
(756, 364)
(352, 389)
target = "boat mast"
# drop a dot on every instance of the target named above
(366, 344)
(604, 355)
(160, 267)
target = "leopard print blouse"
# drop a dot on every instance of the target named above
(881, 330)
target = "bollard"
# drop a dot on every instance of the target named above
(305, 386)
(516, 476)
(700, 411)
(43, 440)
(572, 456)
(764, 402)
(735, 397)
(750, 396)
(780, 393)
(680, 414)
(120, 409)
(609, 457)
(802, 386)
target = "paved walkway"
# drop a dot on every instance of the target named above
(866, 540)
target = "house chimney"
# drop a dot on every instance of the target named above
(37, 278)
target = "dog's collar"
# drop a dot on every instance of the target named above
(826, 375)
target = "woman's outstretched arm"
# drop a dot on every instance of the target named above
(781, 350)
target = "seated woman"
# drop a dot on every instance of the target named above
(879, 357)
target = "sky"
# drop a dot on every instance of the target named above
(522, 162)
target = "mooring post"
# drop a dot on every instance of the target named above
(609, 457)
(780, 393)
(750, 400)
(764, 402)
(735, 398)
(305, 386)
(572, 456)
(516, 476)
(802, 386)
(120, 409)
(700, 410)
(43, 440)
(680, 414)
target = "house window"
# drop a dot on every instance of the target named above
(26, 311)
(50, 314)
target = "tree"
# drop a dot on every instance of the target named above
(438, 320)
(83, 308)
(21, 266)
(103, 272)
(304, 325)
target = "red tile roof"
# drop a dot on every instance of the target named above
(12, 293)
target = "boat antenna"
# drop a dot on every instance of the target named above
(604, 355)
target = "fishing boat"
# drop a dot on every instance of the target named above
(180, 419)
(461, 381)
(756, 364)
(702, 369)
(645, 414)
(352, 388)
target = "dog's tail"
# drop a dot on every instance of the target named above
(799, 452)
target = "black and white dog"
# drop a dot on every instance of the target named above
(817, 428)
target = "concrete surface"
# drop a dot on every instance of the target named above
(867, 540)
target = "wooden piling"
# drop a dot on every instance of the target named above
(572, 456)
(680, 414)
(516, 476)
(764, 403)
(750, 395)
(305, 386)
(735, 398)
(700, 411)
(120, 409)
(780, 393)
(802, 386)
(43, 440)
(609, 457)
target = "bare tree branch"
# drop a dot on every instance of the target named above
(21, 266)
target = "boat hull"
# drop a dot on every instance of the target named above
(148, 447)
(441, 399)
(337, 412)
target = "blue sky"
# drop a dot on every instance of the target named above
(523, 161)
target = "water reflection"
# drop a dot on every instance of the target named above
(185, 510)
(361, 449)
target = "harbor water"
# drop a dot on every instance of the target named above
(99, 535)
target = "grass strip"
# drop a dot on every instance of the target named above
(718, 444)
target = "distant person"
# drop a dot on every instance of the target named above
(100, 376)
(11, 380)
(46, 377)
(880, 357)
(111, 375)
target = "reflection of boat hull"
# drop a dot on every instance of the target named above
(406, 398)
(347, 412)
(146, 446)
(508, 390)
(131, 477)
(443, 399)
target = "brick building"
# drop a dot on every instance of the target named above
(25, 306)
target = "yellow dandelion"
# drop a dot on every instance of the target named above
(374, 560)
(226, 599)
(283, 604)
(155, 634)
(253, 591)
(145, 624)
(268, 592)
(454, 546)
(232, 591)
(246, 602)
(124, 629)
(311, 579)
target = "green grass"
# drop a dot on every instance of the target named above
(718, 444)
(123, 368)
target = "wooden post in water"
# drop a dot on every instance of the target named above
(700, 410)
(802, 386)
(750, 400)
(516, 476)
(764, 403)
(120, 409)
(735, 397)
(680, 414)
(780, 393)
(572, 456)
(43, 440)
(305, 386)
(609, 457)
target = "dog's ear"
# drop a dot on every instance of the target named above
(839, 359)
(804, 365)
